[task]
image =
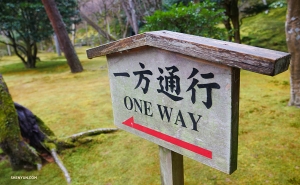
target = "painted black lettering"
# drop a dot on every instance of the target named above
(121, 74)
(147, 106)
(126, 99)
(138, 105)
(194, 121)
(143, 77)
(165, 112)
(180, 118)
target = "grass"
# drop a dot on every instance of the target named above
(268, 135)
(269, 130)
(265, 30)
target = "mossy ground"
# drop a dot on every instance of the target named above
(269, 130)
(265, 30)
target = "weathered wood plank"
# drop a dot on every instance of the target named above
(259, 60)
(171, 167)
(188, 126)
(235, 92)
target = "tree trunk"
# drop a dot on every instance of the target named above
(232, 12)
(57, 47)
(7, 45)
(62, 34)
(227, 23)
(8, 49)
(133, 17)
(235, 20)
(31, 55)
(234, 16)
(292, 29)
(73, 33)
(97, 28)
(11, 142)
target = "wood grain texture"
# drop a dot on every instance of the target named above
(259, 60)
(213, 142)
(235, 96)
(171, 167)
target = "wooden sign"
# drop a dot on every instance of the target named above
(182, 92)
(184, 104)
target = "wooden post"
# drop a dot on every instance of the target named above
(171, 167)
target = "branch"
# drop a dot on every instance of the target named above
(129, 18)
(91, 132)
(11, 37)
(61, 165)
(22, 49)
(3, 42)
(96, 27)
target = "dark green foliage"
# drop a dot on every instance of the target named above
(278, 4)
(169, 3)
(255, 9)
(25, 23)
(196, 19)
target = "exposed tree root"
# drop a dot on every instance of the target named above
(26, 139)
(75, 137)
(69, 142)
(61, 165)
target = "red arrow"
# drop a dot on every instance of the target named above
(206, 153)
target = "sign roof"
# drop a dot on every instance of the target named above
(259, 60)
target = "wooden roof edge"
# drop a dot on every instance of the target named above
(118, 46)
(260, 60)
(281, 65)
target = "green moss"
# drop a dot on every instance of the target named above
(44, 128)
(265, 30)
(11, 142)
(49, 145)
(9, 125)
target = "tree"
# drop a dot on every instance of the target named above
(62, 35)
(27, 140)
(130, 11)
(137, 10)
(105, 17)
(196, 19)
(97, 28)
(292, 29)
(232, 20)
(11, 141)
(24, 23)
(117, 18)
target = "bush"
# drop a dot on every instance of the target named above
(254, 9)
(197, 19)
(278, 4)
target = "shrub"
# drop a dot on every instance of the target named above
(278, 4)
(197, 19)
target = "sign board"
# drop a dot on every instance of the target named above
(180, 103)
(182, 92)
